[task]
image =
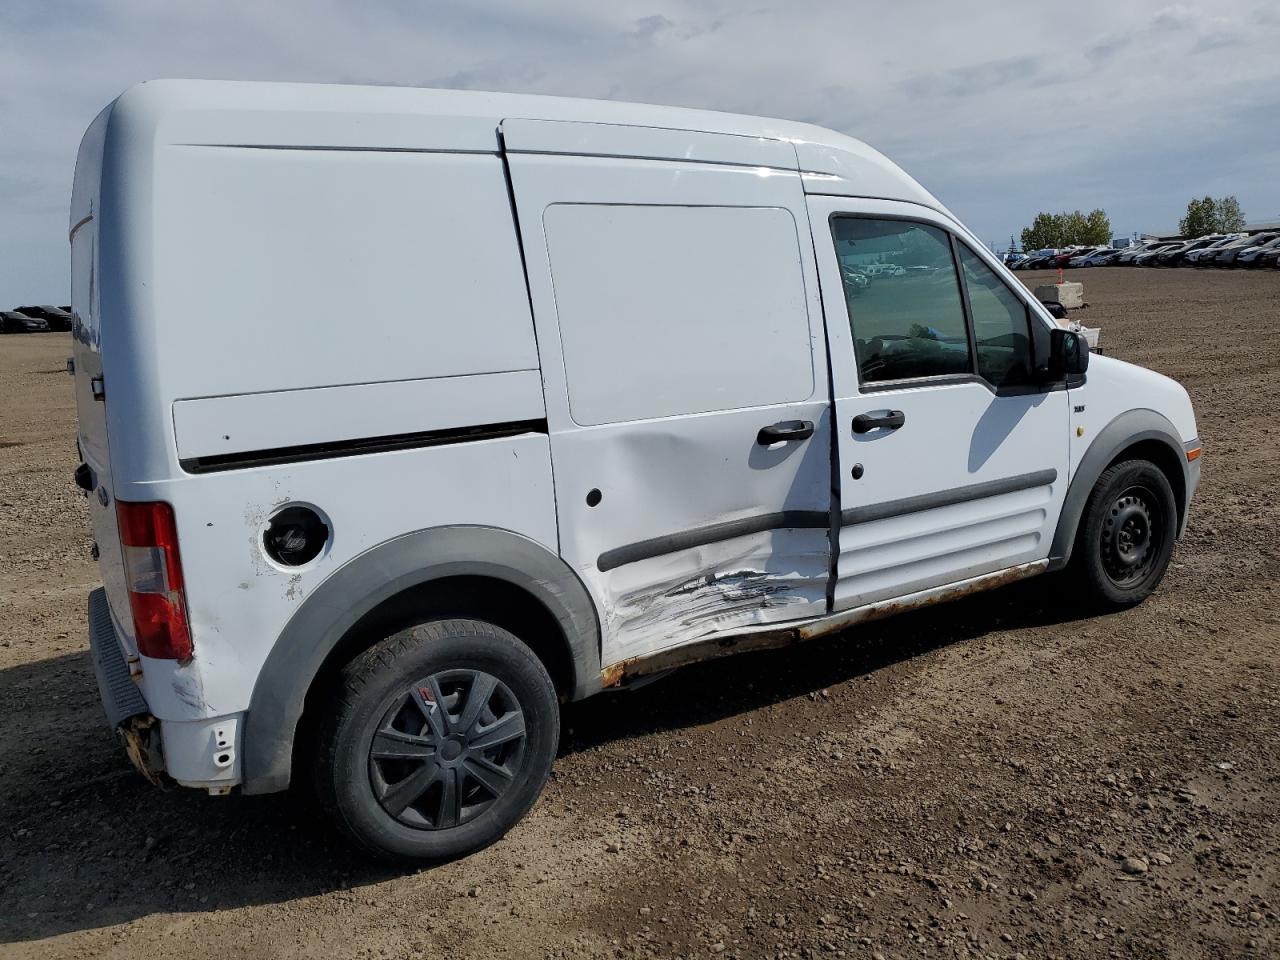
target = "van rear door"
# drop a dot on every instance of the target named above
(91, 414)
(675, 301)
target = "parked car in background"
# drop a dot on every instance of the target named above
(855, 280)
(1194, 257)
(55, 317)
(1248, 257)
(1126, 258)
(1173, 256)
(1104, 258)
(1067, 254)
(1226, 256)
(1077, 257)
(1269, 258)
(1098, 256)
(1147, 257)
(14, 321)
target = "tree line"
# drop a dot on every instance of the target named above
(1204, 216)
(1212, 216)
(1066, 229)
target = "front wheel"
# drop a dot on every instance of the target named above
(1126, 535)
(438, 740)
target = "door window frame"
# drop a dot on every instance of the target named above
(973, 376)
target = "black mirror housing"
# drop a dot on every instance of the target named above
(1068, 354)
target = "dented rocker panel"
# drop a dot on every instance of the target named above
(773, 637)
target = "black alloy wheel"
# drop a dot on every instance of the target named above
(436, 740)
(447, 750)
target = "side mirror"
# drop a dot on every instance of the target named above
(1068, 354)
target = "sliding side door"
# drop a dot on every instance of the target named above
(680, 335)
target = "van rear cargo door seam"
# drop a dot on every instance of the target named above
(528, 292)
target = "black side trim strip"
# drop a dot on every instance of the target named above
(945, 498)
(360, 446)
(79, 223)
(701, 536)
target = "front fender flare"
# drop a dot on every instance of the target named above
(1129, 428)
(378, 574)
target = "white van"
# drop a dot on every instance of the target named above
(407, 415)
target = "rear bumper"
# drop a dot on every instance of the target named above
(199, 753)
(126, 708)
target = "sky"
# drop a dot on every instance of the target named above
(1135, 106)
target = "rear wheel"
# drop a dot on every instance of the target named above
(439, 740)
(1126, 535)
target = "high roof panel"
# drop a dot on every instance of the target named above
(299, 115)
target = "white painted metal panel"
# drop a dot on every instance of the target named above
(667, 311)
(217, 426)
(668, 476)
(955, 435)
(286, 269)
(1114, 387)
(238, 601)
(855, 169)
(650, 143)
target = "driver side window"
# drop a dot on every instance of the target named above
(904, 299)
(919, 310)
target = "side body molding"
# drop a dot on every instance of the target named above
(1131, 427)
(377, 575)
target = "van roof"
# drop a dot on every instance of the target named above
(319, 116)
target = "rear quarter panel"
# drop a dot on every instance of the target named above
(239, 601)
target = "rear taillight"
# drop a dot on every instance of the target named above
(153, 572)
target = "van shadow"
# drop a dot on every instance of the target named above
(89, 844)
(706, 692)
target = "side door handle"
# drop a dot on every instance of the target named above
(786, 430)
(865, 422)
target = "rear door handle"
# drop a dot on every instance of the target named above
(865, 422)
(786, 430)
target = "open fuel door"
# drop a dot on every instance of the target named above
(680, 332)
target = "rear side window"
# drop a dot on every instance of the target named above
(1001, 327)
(670, 311)
(904, 299)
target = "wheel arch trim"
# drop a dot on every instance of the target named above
(377, 575)
(1127, 430)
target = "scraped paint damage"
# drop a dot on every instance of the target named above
(667, 601)
(768, 638)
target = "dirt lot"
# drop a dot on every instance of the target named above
(965, 781)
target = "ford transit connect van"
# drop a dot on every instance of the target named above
(408, 415)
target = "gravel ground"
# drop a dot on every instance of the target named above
(998, 777)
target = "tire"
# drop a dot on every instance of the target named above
(1126, 535)
(439, 739)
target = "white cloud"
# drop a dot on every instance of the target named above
(1014, 108)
